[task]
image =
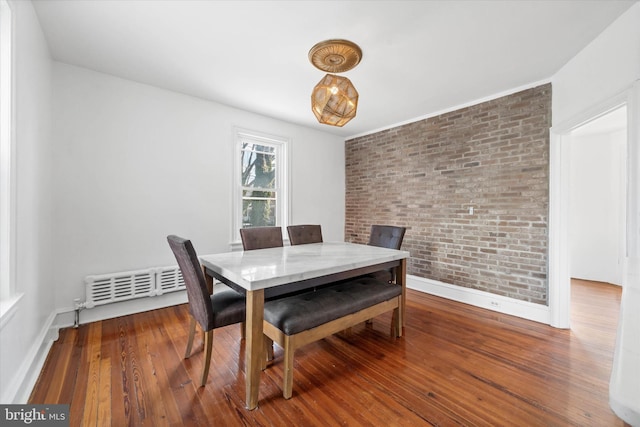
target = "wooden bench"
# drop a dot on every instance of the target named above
(295, 321)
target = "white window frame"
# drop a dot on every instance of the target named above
(8, 296)
(281, 145)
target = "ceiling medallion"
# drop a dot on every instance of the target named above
(335, 56)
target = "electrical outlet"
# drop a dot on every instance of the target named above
(495, 304)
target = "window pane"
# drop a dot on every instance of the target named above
(250, 146)
(260, 184)
(258, 209)
(258, 166)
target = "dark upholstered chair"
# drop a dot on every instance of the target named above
(303, 234)
(210, 310)
(386, 236)
(261, 238)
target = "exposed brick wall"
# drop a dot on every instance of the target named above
(426, 175)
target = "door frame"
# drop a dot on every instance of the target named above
(559, 179)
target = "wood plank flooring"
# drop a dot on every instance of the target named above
(456, 365)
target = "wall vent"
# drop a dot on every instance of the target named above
(127, 285)
(169, 279)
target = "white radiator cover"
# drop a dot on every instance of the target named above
(126, 285)
(169, 279)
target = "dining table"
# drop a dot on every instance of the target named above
(267, 273)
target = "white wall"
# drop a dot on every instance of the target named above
(106, 168)
(22, 335)
(604, 69)
(134, 163)
(597, 207)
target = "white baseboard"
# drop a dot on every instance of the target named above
(22, 384)
(629, 412)
(523, 309)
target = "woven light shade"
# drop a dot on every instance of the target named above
(334, 100)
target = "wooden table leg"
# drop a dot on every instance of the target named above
(209, 279)
(254, 350)
(401, 279)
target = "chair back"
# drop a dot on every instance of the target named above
(303, 234)
(197, 292)
(386, 236)
(261, 238)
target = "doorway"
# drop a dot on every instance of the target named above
(559, 271)
(623, 390)
(597, 198)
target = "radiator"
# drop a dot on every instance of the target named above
(127, 285)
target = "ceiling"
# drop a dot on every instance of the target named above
(419, 57)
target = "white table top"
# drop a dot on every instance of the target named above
(264, 268)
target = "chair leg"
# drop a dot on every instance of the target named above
(243, 331)
(287, 387)
(208, 346)
(192, 332)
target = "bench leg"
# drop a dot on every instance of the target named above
(287, 386)
(396, 320)
(268, 350)
(395, 329)
(400, 315)
(269, 345)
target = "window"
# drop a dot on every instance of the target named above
(260, 190)
(6, 155)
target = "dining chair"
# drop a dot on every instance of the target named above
(304, 234)
(210, 310)
(261, 238)
(386, 236)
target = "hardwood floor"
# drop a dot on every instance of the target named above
(456, 365)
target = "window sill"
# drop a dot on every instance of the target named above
(8, 308)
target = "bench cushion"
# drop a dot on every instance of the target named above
(308, 310)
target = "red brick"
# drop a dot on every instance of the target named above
(425, 175)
